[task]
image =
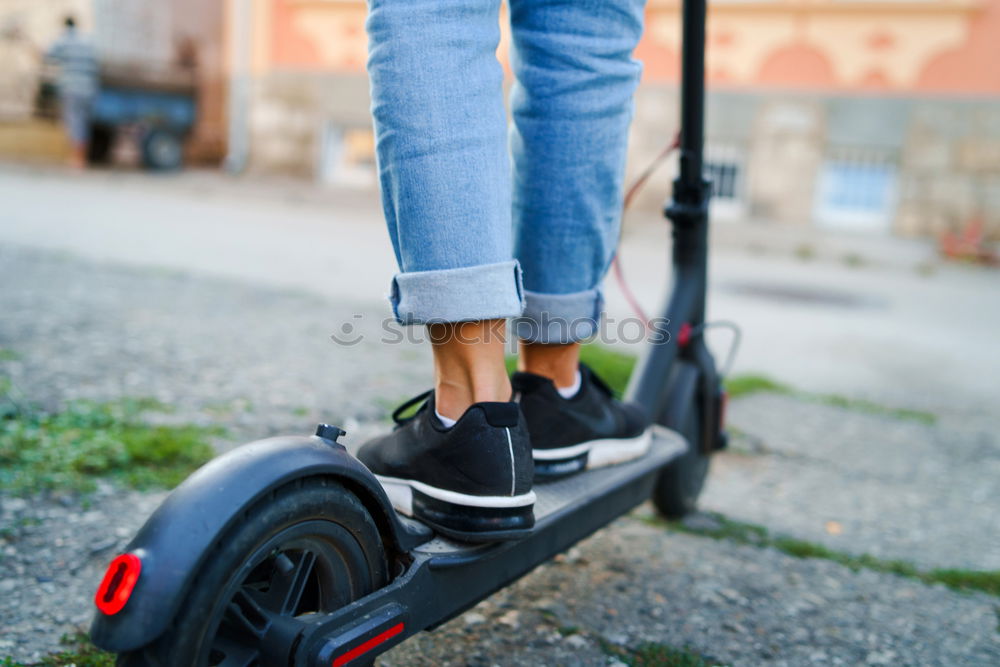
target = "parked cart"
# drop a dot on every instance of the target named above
(157, 108)
(160, 106)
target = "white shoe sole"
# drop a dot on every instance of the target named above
(400, 493)
(611, 451)
(603, 452)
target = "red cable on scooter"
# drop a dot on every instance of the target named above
(627, 201)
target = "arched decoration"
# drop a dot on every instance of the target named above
(972, 67)
(875, 80)
(797, 66)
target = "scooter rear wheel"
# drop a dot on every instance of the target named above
(309, 547)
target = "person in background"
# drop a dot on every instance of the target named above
(76, 60)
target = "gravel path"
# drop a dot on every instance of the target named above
(632, 583)
(260, 361)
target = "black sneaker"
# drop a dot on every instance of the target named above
(471, 482)
(589, 430)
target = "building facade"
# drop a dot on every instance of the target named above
(880, 116)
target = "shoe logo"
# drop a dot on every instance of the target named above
(603, 423)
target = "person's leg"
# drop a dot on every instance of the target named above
(572, 106)
(463, 462)
(76, 120)
(440, 129)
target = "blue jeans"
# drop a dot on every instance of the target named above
(476, 236)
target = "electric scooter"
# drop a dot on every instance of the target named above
(287, 552)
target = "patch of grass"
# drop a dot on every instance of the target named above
(228, 408)
(854, 260)
(659, 654)
(510, 362)
(805, 252)
(988, 582)
(80, 653)
(654, 654)
(862, 405)
(12, 529)
(390, 406)
(716, 526)
(747, 384)
(7, 354)
(612, 366)
(616, 368)
(568, 630)
(68, 450)
(386, 406)
(722, 528)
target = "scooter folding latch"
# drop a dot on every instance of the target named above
(379, 630)
(330, 432)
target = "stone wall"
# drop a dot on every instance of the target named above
(945, 153)
(292, 110)
(942, 156)
(950, 167)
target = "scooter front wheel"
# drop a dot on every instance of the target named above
(309, 547)
(679, 485)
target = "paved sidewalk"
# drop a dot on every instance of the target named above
(866, 483)
(899, 328)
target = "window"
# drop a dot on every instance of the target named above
(724, 167)
(857, 190)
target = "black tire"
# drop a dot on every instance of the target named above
(680, 483)
(162, 150)
(309, 547)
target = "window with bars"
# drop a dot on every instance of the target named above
(857, 190)
(724, 176)
(724, 166)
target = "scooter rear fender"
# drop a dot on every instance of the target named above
(179, 535)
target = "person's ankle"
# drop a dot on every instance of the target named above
(468, 365)
(453, 397)
(559, 363)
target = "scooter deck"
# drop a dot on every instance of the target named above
(446, 577)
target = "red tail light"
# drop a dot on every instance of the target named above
(368, 645)
(118, 583)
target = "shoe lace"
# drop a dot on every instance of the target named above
(397, 413)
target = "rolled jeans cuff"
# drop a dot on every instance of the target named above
(559, 318)
(484, 292)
